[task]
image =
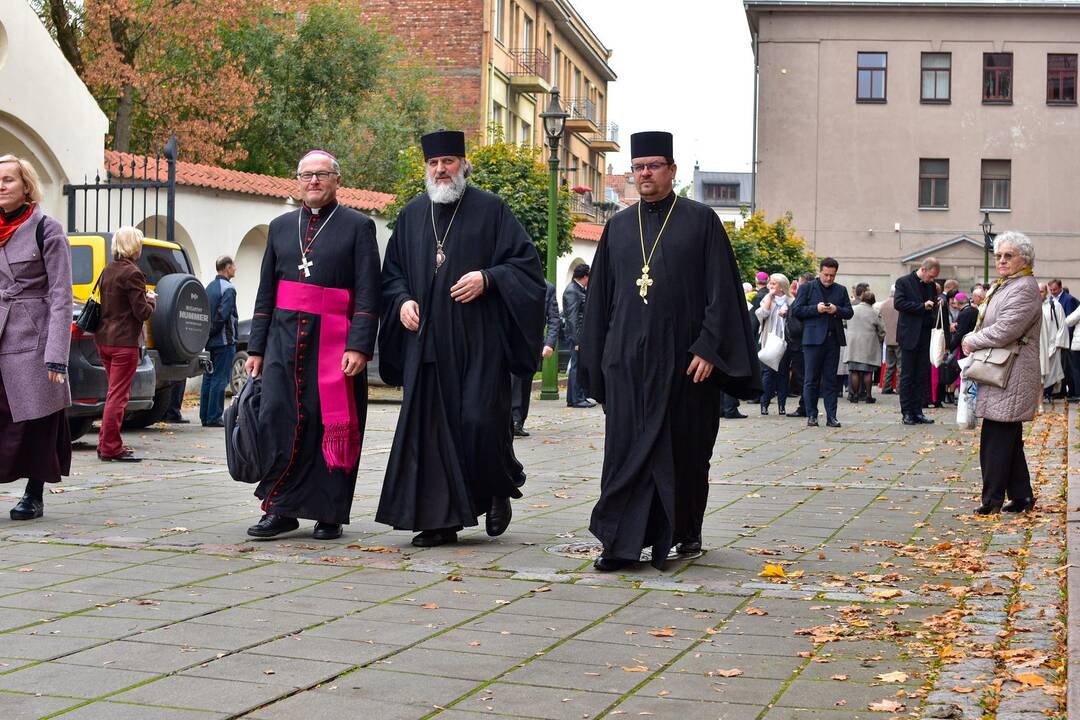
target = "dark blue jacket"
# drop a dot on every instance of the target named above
(815, 324)
(223, 317)
(1068, 304)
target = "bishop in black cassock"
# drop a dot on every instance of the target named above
(463, 295)
(314, 328)
(666, 331)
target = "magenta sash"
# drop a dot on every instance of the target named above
(334, 306)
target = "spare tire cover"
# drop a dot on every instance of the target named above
(180, 324)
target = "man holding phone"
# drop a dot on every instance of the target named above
(822, 305)
(916, 301)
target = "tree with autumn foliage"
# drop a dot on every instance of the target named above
(770, 247)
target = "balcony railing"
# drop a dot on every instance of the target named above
(530, 62)
(582, 204)
(581, 109)
(606, 134)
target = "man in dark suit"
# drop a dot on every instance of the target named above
(521, 390)
(916, 301)
(822, 305)
(573, 301)
(1069, 359)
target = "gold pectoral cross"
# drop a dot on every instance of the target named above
(644, 283)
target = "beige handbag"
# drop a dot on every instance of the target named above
(991, 366)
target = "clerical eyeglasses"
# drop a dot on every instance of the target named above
(653, 166)
(322, 175)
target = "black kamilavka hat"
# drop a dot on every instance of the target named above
(652, 143)
(442, 143)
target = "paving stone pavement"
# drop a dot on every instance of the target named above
(139, 596)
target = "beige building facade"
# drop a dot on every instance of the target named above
(890, 128)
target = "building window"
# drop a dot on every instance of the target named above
(556, 65)
(871, 77)
(498, 117)
(997, 77)
(996, 179)
(933, 183)
(527, 33)
(936, 77)
(1061, 79)
(526, 133)
(720, 193)
(500, 16)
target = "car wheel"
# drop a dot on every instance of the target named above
(238, 376)
(79, 426)
(145, 418)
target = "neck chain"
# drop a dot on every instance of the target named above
(440, 254)
(305, 262)
(645, 282)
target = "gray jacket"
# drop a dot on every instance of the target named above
(35, 318)
(1014, 311)
(573, 301)
(865, 331)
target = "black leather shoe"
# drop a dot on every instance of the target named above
(735, 415)
(1013, 506)
(272, 525)
(988, 510)
(214, 424)
(923, 420)
(126, 456)
(781, 410)
(852, 398)
(519, 431)
(799, 412)
(869, 400)
(888, 391)
(29, 508)
(689, 547)
(811, 422)
(498, 517)
(610, 564)
(764, 409)
(910, 420)
(832, 422)
(434, 538)
(326, 531)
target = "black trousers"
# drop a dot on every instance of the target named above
(820, 365)
(795, 385)
(520, 394)
(915, 376)
(1074, 368)
(1004, 467)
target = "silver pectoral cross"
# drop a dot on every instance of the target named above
(305, 267)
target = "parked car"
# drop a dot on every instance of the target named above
(238, 377)
(176, 332)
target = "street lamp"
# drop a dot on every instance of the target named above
(988, 245)
(554, 121)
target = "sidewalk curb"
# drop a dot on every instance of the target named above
(1072, 535)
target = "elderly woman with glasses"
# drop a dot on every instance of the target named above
(1011, 313)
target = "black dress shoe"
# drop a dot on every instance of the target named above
(434, 538)
(832, 422)
(988, 510)
(764, 409)
(214, 424)
(1013, 506)
(29, 508)
(781, 411)
(689, 547)
(326, 531)
(272, 525)
(498, 517)
(519, 431)
(910, 420)
(923, 420)
(869, 400)
(811, 422)
(735, 415)
(852, 398)
(799, 412)
(610, 564)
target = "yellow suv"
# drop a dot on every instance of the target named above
(175, 339)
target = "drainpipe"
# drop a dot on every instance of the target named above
(753, 149)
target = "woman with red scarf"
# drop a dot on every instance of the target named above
(35, 337)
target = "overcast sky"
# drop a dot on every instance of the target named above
(685, 66)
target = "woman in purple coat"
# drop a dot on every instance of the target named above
(35, 337)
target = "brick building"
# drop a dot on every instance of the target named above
(499, 59)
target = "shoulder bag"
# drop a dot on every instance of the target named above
(90, 316)
(938, 346)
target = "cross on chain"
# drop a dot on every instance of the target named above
(644, 283)
(305, 267)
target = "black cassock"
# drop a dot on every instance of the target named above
(453, 450)
(296, 481)
(660, 426)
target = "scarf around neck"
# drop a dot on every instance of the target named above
(10, 222)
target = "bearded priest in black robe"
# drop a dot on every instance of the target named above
(312, 334)
(666, 332)
(463, 296)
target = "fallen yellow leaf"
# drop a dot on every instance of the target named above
(733, 672)
(773, 571)
(756, 611)
(1030, 679)
(666, 632)
(886, 705)
(893, 677)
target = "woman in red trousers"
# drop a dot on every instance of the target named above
(125, 305)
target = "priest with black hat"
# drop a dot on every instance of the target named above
(463, 295)
(666, 333)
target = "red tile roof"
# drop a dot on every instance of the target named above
(119, 164)
(588, 231)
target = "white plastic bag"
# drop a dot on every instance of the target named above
(965, 405)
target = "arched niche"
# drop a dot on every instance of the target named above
(18, 139)
(248, 261)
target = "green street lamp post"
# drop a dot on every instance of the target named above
(554, 121)
(988, 245)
